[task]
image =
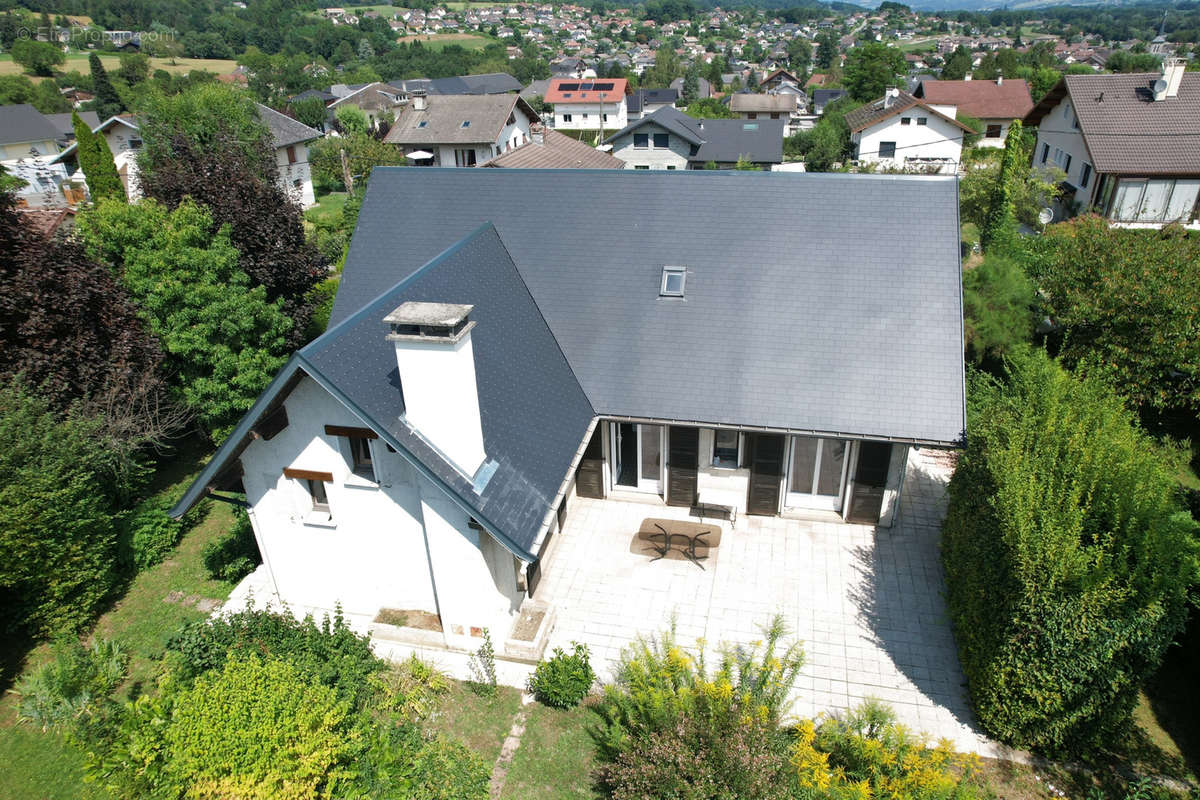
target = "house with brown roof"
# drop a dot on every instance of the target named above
(900, 132)
(994, 103)
(1129, 144)
(461, 130)
(786, 107)
(589, 105)
(549, 149)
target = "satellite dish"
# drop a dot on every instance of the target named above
(1046, 216)
(1159, 86)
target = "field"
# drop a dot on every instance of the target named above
(437, 41)
(79, 62)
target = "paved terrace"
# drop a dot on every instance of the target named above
(866, 603)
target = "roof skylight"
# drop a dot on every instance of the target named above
(673, 279)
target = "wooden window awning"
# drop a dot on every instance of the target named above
(307, 475)
(342, 430)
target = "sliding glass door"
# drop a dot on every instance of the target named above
(817, 473)
(636, 456)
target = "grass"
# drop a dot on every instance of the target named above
(440, 41)
(328, 207)
(481, 722)
(555, 759)
(79, 61)
(39, 765)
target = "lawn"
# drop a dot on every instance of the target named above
(79, 61)
(440, 41)
(328, 207)
(481, 722)
(555, 760)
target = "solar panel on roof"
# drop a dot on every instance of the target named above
(603, 87)
(586, 86)
(568, 87)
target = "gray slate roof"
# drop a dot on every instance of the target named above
(488, 83)
(66, 130)
(809, 326)
(444, 116)
(1125, 131)
(720, 140)
(285, 130)
(23, 123)
(641, 97)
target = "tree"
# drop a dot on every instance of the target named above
(224, 340)
(96, 161)
(208, 143)
(135, 68)
(691, 85)
(364, 153)
(108, 102)
(1068, 557)
(799, 55)
(998, 309)
(957, 65)
(351, 120)
(1034, 189)
(1126, 299)
(999, 228)
(827, 49)
(871, 68)
(311, 111)
(708, 108)
(666, 68)
(39, 58)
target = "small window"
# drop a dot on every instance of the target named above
(774, 116)
(291, 154)
(906, 120)
(673, 279)
(641, 166)
(993, 131)
(641, 141)
(1045, 152)
(585, 116)
(662, 140)
(1085, 175)
(725, 449)
(360, 450)
(887, 149)
(134, 143)
(752, 115)
(423, 123)
(316, 491)
(670, 166)
(750, 126)
(922, 120)
(1067, 166)
(465, 124)
(566, 117)
(605, 117)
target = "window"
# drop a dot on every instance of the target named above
(641, 141)
(887, 149)
(750, 126)
(604, 116)
(585, 116)
(316, 492)
(360, 451)
(641, 166)
(1155, 200)
(1067, 165)
(725, 449)
(134, 142)
(673, 279)
(752, 115)
(906, 120)
(993, 131)
(1045, 152)
(922, 120)
(1085, 175)
(662, 140)
(566, 117)
(423, 123)
(670, 166)
(291, 154)
(774, 116)
(464, 158)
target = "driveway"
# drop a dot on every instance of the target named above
(866, 602)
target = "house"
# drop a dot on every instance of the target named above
(25, 132)
(549, 149)
(589, 105)
(492, 359)
(786, 107)
(487, 83)
(644, 102)
(900, 132)
(66, 126)
(289, 137)
(703, 88)
(823, 97)
(461, 130)
(668, 139)
(781, 81)
(376, 100)
(994, 103)
(29, 151)
(1130, 144)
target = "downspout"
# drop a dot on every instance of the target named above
(552, 512)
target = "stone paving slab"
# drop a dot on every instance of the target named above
(866, 602)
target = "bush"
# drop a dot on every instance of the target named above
(1068, 558)
(563, 680)
(331, 652)
(998, 300)
(483, 667)
(402, 762)
(235, 555)
(150, 532)
(70, 686)
(867, 754)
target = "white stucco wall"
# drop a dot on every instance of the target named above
(994, 141)
(12, 152)
(295, 178)
(1057, 130)
(397, 543)
(444, 153)
(513, 135)
(586, 116)
(674, 155)
(937, 139)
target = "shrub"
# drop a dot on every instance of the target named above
(150, 532)
(867, 754)
(259, 729)
(235, 555)
(563, 680)
(1068, 559)
(997, 308)
(72, 684)
(483, 667)
(332, 653)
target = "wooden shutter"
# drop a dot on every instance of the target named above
(589, 478)
(870, 478)
(683, 461)
(308, 475)
(766, 472)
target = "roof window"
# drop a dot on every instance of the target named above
(750, 126)
(423, 123)
(673, 279)
(466, 123)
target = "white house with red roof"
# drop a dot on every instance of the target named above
(994, 103)
(589, 104)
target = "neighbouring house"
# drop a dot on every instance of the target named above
(1130, 144)
(783, 82)
(66, 126)
(289, 137)
(823, 97)
(645, 102)
(671, 140)
(487, 83)
(378, 101)
(26, 132)
(30, 143)
(703, 88)
(461, 130)
(589, 105)
(506, 359)
(787, 107)
(994, 103)
(549, 149)
(900, 132)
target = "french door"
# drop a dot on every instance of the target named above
(637, 456)
(817, 473)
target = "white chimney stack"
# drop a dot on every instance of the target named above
(1173, 74)
(419, 101)
(437, 377)
(537, 132)
(999, 80)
